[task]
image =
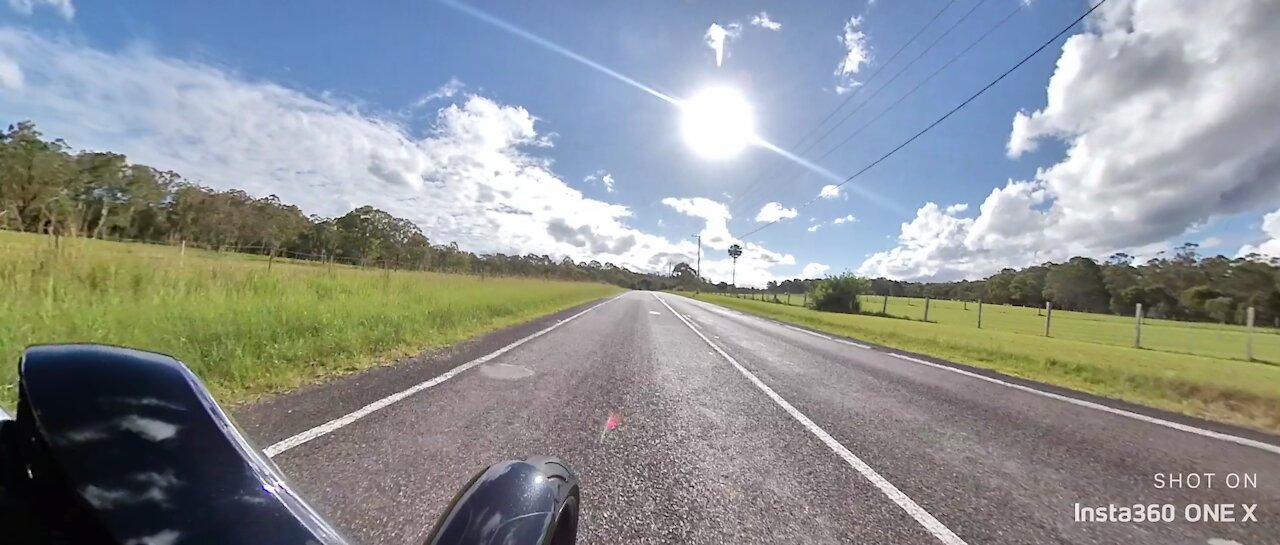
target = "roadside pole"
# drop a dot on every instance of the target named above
(979, 313)
(1137, 326)
(1248, 340)
(926, 309)
(1048, 315)
(884, 308)
(805, 303)
(182, 254)
(788, 298)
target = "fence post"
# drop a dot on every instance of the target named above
(1248, 340)
(1137, 326)
(926, 309)
(788, 298)
(884, 307)
(805, 303)
(979, 314)
(1048, 315)
(182, 253)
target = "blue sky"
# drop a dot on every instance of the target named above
(336, 104)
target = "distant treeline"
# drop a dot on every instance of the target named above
(46, 188)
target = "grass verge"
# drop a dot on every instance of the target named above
(247, 329)
(1232, 391)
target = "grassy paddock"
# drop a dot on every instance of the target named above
(1224, 341)
(244, 328)
(1238, 392)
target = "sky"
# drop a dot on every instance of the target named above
(1151, 124)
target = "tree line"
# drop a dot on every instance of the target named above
(47, 188)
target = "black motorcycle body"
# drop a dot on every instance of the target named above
(118, 446)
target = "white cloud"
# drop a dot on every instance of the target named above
(814, 270)
(829, 192)
(718, 37)
(773, 211)
(1157, 142)
(846, 219)
(446, 91)
(26, 7)
(857, 54)
(762, 20)
(814, 228)
(472, 179)
(10, 74)
(1270, 247)
(755, 267)
(604, 178)
(957, 208)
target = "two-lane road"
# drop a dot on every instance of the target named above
(737, 429)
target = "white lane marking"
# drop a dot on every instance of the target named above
(655, 313)
(1268, 447)
(829, 338)
(933, 525)
(342, 421)
(1098, 406)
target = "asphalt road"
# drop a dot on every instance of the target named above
(737, 429)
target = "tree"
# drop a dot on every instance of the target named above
(735, 251)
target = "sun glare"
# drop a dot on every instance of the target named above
(717, 122)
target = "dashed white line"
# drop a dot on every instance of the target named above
(342, 421)
(931, 524)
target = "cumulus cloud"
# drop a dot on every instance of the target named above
(65, 8)
(773, 211)
(444, 92)
(814, 228)
(762, 20)
(829, 192)
(1157, 142)
(856, 55)
(846, 219)
(474, 178)
(757, 264)
(718, 37)
(603, 178)
(814, 270)
(1270, 247)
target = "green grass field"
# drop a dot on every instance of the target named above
(246, 329)
(1239, 392)
(1223, 341)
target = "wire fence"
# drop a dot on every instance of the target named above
(1256, 342)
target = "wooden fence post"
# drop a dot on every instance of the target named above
(1137, 326)
(979, 314)
(1048, 315)
(884, 307)
(926, 309)
(1248, 340)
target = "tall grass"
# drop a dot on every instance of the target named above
(247, 326)
(1239, 392)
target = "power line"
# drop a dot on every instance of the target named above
(922, 82)
(944, 117)
(843, 103)
(904, 69)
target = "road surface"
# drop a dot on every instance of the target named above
(737, 429)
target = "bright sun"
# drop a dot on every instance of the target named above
(717, 122)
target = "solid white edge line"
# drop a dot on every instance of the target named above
(342, 421)
(931, 524)
(1268, 447)
(1098, 406)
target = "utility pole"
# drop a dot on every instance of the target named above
(698, 288)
